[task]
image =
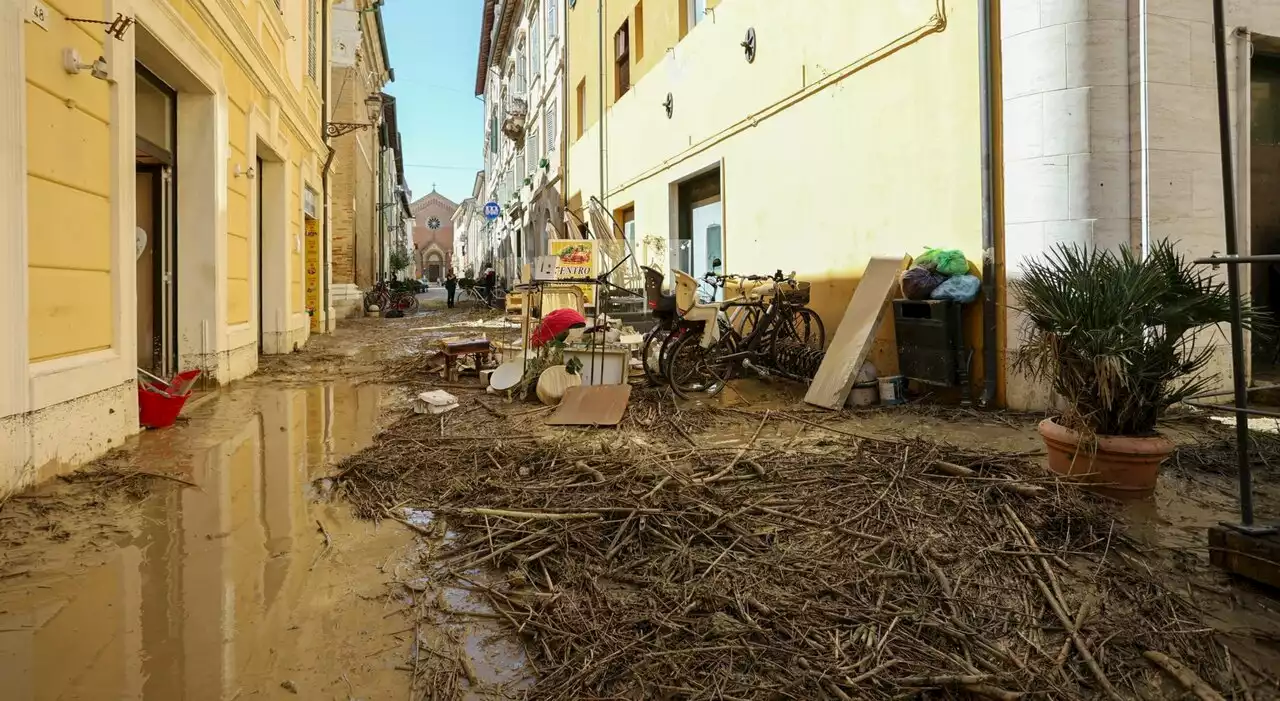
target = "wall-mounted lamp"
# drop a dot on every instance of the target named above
(242, 173)
(72, 65)
(373, 104)
(669, 105)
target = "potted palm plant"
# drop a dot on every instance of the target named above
(1120, 339)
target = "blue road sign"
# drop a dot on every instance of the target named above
(492, 211)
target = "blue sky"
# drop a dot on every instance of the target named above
(433, 46)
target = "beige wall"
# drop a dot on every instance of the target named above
(354, 183)
(854, 133)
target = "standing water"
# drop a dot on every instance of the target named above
(241, 586)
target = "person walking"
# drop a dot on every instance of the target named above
(490, 278)
(450, 287)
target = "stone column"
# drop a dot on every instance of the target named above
(1066, 121)
(15, 437)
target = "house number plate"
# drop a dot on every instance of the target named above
(39, 14)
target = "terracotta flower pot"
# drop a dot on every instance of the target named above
(1124, 467)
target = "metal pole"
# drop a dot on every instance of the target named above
(1233, 271)
(990, 325)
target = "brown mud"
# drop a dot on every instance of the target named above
(206, 561)
(210, 561)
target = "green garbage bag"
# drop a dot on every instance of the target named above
(951, 261)
(927, 260)
(948, 261)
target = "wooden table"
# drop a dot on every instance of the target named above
(452, 349)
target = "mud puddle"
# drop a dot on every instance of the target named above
(245, 585)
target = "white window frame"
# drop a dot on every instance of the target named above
(694, 18)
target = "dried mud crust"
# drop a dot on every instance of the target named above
(795, 560)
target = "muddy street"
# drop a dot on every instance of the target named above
(205, 561)
(304, 534)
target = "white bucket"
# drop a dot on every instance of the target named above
(863, 394)
(893, 390)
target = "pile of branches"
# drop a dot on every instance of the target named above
(633, 566)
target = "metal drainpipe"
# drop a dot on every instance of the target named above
(563, 142)
(326, 243)
(604, 196)
(382, 211)
(990, 356)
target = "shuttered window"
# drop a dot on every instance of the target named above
(312, 39)
(551, 125)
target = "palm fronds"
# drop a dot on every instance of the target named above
(1120, 338)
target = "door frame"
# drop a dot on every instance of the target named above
(165, 231)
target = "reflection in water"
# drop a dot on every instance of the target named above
(192, 604)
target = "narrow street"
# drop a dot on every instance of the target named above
(670, 350)
(273, 546)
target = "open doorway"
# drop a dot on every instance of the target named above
(1264, 207)
(700, 228)
(156, 174)
(261, 253)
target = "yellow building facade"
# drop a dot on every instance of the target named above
(776, 137)
(158, 179)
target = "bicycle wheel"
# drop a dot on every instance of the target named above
(407, 303)
(664, 353)
(695, 371)
(651, 356)
(803, 326)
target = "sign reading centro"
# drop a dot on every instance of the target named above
(575, 259)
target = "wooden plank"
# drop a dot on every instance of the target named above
(849, 348)
(1255, 557)
(595, 405)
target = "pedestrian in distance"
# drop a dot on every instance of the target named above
(490, 279)
(450, 287)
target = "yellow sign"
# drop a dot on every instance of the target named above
(311, 258)
(575, 259)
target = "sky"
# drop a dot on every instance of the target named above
(433, 46)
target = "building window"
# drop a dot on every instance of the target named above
(553, 19)
(531, 152)
(519, 170)
(522, 84)
(627, 217)
(535, 45)
(552, 126)
(582, 108)
(621, 61)
(493, 132)
(694, 12)
(311, 38)
(697, 12)
(639, 43)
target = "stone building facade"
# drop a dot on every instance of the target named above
(361, 69)
(432, 236)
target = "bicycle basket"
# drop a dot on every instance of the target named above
(795, 293)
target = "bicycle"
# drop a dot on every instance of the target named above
(772, 319)
(378, 296)
(385, 299)
(671, 323)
